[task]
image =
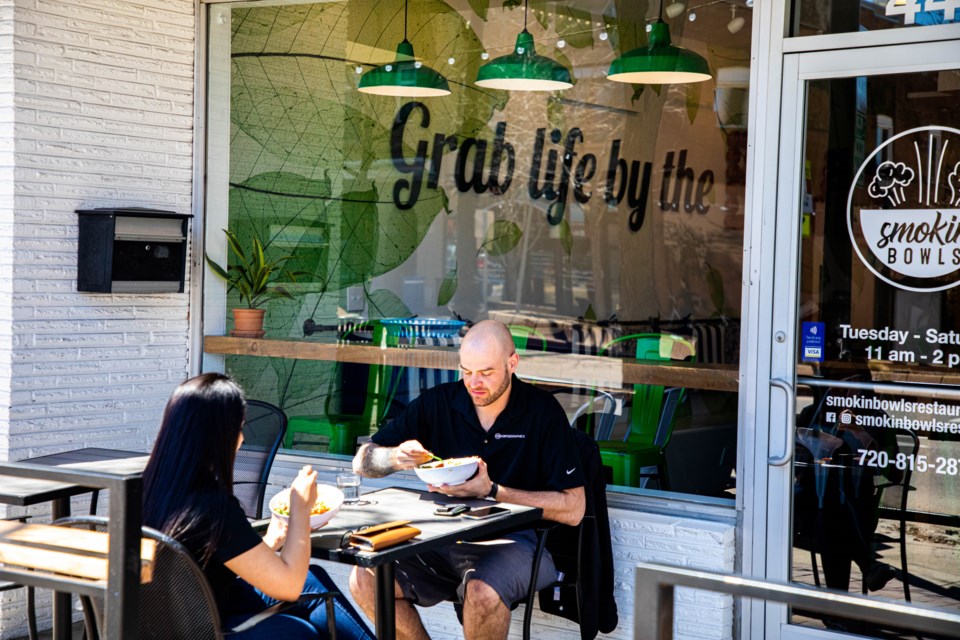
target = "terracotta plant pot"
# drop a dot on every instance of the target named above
(247, 323)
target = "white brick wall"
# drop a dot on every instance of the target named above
(103, 95)
(637, 537)
(96, 109)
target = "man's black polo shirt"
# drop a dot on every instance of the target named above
(529, 447)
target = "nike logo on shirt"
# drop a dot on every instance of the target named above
(569, 471)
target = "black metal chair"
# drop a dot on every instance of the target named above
(263, 431)
(882, 495)
(893, 496)
(583, 556)
(177, 603)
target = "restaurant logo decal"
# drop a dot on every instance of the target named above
(906, 227)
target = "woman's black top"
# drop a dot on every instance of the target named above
(237, 537)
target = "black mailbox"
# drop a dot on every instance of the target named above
(131, 250)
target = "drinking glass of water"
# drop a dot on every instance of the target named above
(349, 483)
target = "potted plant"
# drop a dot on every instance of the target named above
(255, 279)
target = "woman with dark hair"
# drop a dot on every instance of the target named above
(188, 494)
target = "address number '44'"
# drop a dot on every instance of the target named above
(910, 8)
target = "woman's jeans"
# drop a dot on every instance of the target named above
(299, 622)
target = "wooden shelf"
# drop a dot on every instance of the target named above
(581, 370)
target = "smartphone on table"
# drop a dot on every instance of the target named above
(451, 510)
(485, 512)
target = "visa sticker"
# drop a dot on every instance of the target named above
(812, 335)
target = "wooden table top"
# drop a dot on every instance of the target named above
(569, 369)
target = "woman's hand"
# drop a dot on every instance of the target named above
(303, 491)
(276, 533)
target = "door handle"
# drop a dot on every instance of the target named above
(789, 391)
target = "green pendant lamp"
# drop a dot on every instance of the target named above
(659, 62)
(405, 77)
(524, 69)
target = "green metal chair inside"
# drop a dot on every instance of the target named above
(653, 413)
(522, 334)
(342, 429)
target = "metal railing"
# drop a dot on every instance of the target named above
(654, 596)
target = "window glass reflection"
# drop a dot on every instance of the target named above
(586, 219)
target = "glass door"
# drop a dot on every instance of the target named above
(867, 447)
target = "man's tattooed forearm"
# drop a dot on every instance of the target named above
(378, 461)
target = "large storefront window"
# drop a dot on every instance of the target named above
(878, 439)
(603, 223)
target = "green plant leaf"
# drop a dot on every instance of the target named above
(501, 237)
(447, 288)
(234, 245)
(216, 268)
(566, 237)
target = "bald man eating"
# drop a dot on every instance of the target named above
(527, 456)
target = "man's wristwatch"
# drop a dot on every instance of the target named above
(494, 487)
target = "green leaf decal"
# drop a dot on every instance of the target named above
(445, 199)
(715, 286)
(543, 17)
(575, 26)
(693, 100)
(555, 110)
(501, 237)
(360, 237)
(384, 303)
(447, 288)
(566, 237)
(480, 7)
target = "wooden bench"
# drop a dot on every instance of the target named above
(61, 553)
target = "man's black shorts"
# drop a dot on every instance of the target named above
(504, 564)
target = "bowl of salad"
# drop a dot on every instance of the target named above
(329, 501)
(447, 471)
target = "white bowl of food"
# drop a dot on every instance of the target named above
(448, 471)
(329, 501)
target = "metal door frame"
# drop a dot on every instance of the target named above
(775, 379)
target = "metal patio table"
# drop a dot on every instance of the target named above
(23, 492)
(387, 505)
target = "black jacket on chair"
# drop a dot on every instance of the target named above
(585, 556)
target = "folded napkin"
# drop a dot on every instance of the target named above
(383, 536)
